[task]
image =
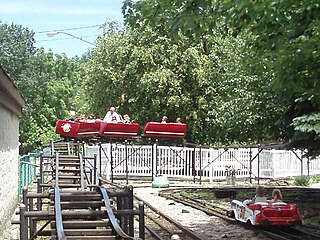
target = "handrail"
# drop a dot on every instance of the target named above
(111, 215)
(58, 215)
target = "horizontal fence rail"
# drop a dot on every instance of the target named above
(204, 163)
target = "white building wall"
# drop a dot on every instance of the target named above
(9, 166)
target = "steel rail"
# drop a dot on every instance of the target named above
(273, 234)
(111, 215)
(186, 230)
(58, 215)
(206, 210)
(153, 233)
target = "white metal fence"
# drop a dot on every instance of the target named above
(205, 163)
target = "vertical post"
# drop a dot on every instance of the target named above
(32, 222)
(100, 158)
(24, 196)
(259, 165)
(69, 150)
(25, 203)
(250, 166)
(95, 169)
(156, 159)
(23, 223)
(52, 148)
(141, 221)
(83, 148)
(41, 167)
(126, 160)
(39, 204)
(152, 161)
(301, 160)
(111, 161)
(308, 165)
(130, 206)
(193, 159)
(200, 163)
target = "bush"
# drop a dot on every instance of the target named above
(302, 181)
(316, 178)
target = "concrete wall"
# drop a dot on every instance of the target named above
(9, 176)
(11, 104)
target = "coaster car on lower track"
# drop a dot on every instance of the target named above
(265, 214)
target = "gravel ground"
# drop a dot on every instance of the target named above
(208, 227)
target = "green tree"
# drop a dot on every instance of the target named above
(49, 83)
(149, 75)
(285, 33)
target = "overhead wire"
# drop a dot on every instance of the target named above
(68, 38)
(70, 29)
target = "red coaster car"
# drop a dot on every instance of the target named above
(77, 130)
(119, 130)
(165, 130)
(265, 214)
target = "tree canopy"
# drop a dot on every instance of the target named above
(285, 33)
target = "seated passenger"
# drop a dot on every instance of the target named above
(82, 118)
(260, 195)
(91, 118)
(126, 119)
(164, 119)
(112, 116)
(277, 196)
(178, 120)
(72, 116)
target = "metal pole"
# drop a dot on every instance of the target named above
(39, 204)
(141, 221)
(258, 165)
(126, 160)
(100, 151)
(95, 169)
(111, 161)
(130, 206)
(194, 165)
(250, 167)
(156, 161)
(41, 167)
(200, 163)
(81, 172)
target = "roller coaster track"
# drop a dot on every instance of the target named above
(72, 209)
(100, 227)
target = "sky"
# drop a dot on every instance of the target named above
(73, 19)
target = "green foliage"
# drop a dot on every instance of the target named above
(149, 75)
(285, 34)
(48, 83)
(308, 123)
(302, 181)
(316, 178)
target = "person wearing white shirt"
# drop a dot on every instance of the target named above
(112, 116)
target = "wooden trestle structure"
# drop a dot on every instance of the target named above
(69, 204)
